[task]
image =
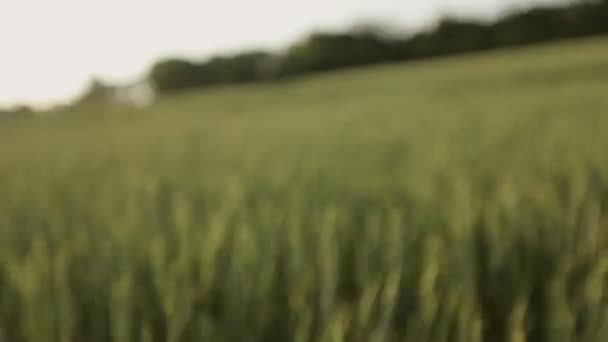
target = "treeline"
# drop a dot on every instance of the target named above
(179, 74)
(330, 51)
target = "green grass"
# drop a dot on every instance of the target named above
(460, 199)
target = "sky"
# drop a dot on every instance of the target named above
(51, 49)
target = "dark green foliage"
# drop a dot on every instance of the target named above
(325, 51)
(177, 74)
(171, 75)
(331, 51)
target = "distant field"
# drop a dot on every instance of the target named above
(459, 200)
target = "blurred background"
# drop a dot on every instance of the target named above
(51, 51)
(331, 171)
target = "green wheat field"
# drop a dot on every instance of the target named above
(459, 200)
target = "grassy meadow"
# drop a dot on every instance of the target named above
(458, 200)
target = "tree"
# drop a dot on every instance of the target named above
(174, 74)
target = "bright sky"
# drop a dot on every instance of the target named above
(50, 49)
